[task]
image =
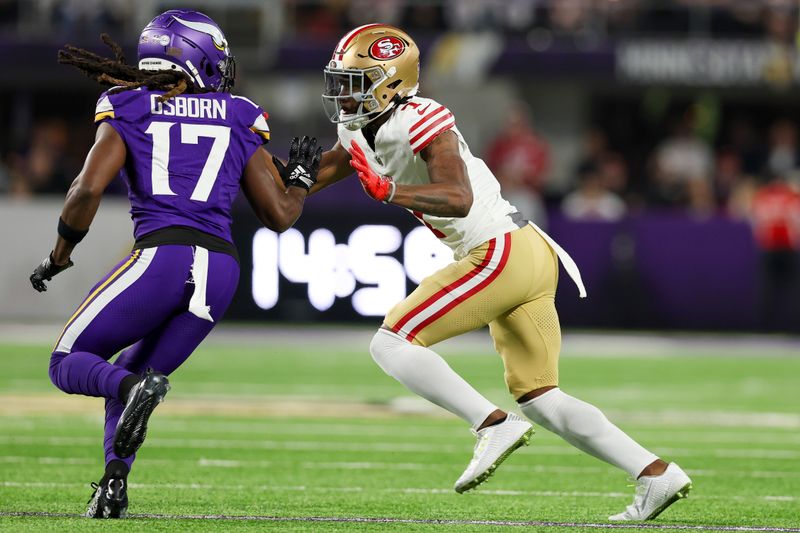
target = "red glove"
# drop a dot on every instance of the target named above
(380, 188)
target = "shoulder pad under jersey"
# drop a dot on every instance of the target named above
(252, 116)
(425, 119)
(128, 105)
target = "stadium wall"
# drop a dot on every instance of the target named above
(350, 262)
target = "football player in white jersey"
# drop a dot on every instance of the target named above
(407, 151)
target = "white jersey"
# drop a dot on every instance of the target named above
(409, 129)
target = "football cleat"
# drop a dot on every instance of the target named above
(109, 500)
(495, 444)
(656, 493)
(142, 400)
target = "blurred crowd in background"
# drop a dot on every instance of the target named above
(697, 153)
(585, 20)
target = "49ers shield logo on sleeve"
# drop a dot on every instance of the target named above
(387, 48)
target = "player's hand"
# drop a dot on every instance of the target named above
(380, 188)
(303, 165)
(45, 272)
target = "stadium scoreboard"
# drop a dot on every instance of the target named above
(340, 270)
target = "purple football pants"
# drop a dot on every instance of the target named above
(142, 305)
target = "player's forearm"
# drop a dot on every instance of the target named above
(291, 206)
(449, 194)
(438, 199)
(81, 205)
(333, 167)
(325, 180)
(80, 208)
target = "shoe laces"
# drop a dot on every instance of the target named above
(96, 487)
(638, 498)
(480, 445)
(483, 441)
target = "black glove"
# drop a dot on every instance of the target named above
(45, 271)
(303, 165)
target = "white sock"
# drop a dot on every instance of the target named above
(587, 428)
(424, 372)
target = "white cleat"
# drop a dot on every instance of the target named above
(495, 444)
(656, 493)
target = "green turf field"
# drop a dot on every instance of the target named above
(280, 433)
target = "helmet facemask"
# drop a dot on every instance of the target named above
(349, 98)
(227, 69)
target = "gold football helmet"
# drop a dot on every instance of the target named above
(370, 66)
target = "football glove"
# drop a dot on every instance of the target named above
(303, 165)
(380, 188)
(45, 272)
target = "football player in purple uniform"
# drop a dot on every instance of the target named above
(184, 145)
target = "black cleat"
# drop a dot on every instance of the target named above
(132, 426)
(110, 499)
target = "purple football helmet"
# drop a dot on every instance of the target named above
(189, 41)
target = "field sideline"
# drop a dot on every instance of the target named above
(263, 432)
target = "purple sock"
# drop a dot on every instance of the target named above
(113, 411)
(86, 373)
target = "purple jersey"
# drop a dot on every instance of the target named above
(186, 156)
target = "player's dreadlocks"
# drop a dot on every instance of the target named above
(119, 74)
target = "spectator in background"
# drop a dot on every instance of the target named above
(506, 16)
(595, 145)
(5, 177)
(424, 16)
(744, 141)
(727, 177)
(520, 159)
(321, 19)
(682, 168)
(568, 17)
(592, 200)
(738, 19)
(610, 164)
(81, 17)
(368, 11)
(43, 168)
(775, 218)
(614, 171)
(779, 19)
(783, 157)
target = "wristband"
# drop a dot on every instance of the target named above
(391, 194)
(70, 234)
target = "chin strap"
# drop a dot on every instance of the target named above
(358, 123)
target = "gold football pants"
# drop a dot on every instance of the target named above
(509, 283)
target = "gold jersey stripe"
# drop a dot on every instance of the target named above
(105, 114)
(264, 134)
(134, 256)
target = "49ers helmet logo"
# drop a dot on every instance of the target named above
(387, 48)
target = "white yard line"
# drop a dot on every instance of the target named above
(636, 345)
(393, 447)
(18, 407)
(780, 498)
(440, 521)
(168, 425)
(373, 465)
